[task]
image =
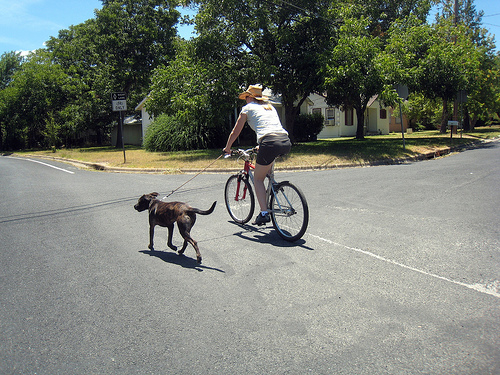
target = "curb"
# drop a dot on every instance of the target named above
(410, 159)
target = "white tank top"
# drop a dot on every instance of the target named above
(263, 121)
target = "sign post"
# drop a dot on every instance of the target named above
(461, 99)
(119, 103)
(453, 125)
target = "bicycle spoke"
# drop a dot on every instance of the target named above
(289, 212)
(239, 198)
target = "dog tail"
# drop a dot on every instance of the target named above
(207, 212)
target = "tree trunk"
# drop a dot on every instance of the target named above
(444, 117)
(473, 122)
(466, 126)
(291, 112)
(360, 129)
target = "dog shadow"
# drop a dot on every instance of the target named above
(179, 260)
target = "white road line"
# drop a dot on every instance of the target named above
(39, 162)
(491, 289)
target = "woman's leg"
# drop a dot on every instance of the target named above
(260, 174)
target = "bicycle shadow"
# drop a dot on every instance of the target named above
(179, 260)
(266, 234)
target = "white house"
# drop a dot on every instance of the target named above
(344, 123)
(147, 119)
(275, 100)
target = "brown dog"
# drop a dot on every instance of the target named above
(165, 214)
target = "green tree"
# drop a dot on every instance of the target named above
(10, 62)
(352, 75)
(436, 60)
(423, 113)
(278, 44)
(354, 71)
(465, 14)
(380, 14)
(38, 88)
(197, 96)
(483, 90)
(116, 51)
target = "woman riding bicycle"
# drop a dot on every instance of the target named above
(272, 139)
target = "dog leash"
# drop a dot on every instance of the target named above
(191, 179)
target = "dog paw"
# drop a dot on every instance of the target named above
(198, 260)
(150, 247)
(174, 248)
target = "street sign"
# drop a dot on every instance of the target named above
(119, 101)
(402, 91)
(462, 96)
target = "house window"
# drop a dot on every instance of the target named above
(330, 117)
(383, 113)
(316, 111)
(349, 117)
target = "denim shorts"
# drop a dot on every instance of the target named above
(272, 146)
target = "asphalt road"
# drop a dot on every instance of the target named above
(398, 273)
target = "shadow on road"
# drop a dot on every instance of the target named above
(180, 260)
(266, 235)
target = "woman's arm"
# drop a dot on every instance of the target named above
(235, 132)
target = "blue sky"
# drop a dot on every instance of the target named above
(26, 24)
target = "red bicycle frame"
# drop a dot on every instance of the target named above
(246, 171)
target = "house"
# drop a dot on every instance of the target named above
(340, 123)
(132, 131)
(147, 119)
(275, 100)
(395, 124)
(134, 127)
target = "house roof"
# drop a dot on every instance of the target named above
(275, 99)
(132, 120)
(142, 103)
(372, 100)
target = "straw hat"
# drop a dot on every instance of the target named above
(255, 91)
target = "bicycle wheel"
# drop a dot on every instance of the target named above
(239, 198)
(289, 211)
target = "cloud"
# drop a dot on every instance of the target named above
(25, 53)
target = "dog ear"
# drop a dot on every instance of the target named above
(154, 194)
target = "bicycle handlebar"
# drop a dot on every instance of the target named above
(240, 152)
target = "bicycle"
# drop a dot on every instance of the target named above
(287, 204)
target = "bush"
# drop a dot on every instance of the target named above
(307, 127)
(166, 133)
(169, 133)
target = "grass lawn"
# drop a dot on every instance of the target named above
(322, 153)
